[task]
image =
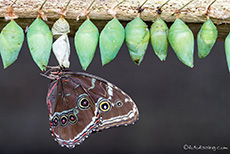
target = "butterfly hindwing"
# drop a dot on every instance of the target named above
(116, 108)
(72, 112)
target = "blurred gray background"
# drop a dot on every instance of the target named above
(178, 105)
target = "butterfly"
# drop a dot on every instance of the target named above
(81, 103)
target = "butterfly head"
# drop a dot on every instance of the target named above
(53, 72)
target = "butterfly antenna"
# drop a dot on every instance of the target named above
(48, 76)
(51, 69)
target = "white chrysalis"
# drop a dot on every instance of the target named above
(61, 46)
(61, 49)
(60, 27)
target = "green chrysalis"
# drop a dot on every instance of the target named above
(182, 41)
(227, 50)
(11, 39)
(206, 38)
(40, 40)
(137, 38)
(159, 38)
(111, 40)
(85, 40)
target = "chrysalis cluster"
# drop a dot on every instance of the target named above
(136, 36)
(61, 47)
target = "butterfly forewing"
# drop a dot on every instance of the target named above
(72, 112)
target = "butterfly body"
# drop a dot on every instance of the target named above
(80, 103)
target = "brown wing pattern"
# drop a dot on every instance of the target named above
(79, 103)
(72, 112)
(116, 108)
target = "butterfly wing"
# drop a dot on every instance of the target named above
(115, 107)
(72, 112)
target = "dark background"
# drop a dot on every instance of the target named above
(178, 105)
